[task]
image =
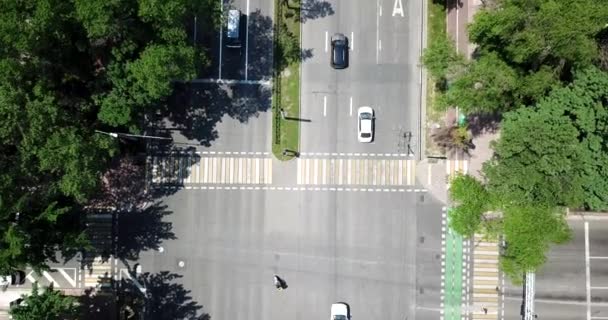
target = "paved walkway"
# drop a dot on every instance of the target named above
(487, 279)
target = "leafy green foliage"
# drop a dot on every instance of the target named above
(553, 154)
(533, 33)
(472, 201)
(49, 304)
(488, 85)
(66, 69)
(158, 66)
(524, 49)
(528, 232)
(441, 58)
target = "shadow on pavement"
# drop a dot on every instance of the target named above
(164, 298)
(196, 108)
(260, 46)
(142, 230)
(312, 9)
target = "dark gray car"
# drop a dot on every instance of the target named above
(339, 51)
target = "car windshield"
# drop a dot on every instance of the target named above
(339, 317)
(339, 55)
(366, 135)
(366, 116)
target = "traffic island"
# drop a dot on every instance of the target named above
(286, 84)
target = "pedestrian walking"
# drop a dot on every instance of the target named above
(279, 283)
(485, 310)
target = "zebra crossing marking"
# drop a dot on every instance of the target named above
(55, 276)
(373, 172)
(210, 170)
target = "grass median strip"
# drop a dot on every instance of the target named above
(286, 90)
(436, 29)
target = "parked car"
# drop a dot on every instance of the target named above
(233, 33)
(340, 311)
(339, 51)
(15, 278)
(365, 125)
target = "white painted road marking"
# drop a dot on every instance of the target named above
(128, 276)
(398, 8)
(379, 10)
(227, 81)
(587, 270)
(324, 106)
(247, 40)
(326, 40)
(351, 106)
(50, 279)
(221, 39)
(382, 172)
(67, 277)
(352, 41)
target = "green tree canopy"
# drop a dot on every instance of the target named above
(66, 69)
(46, 305)
(487, 85)
(524, 48)
(528, 233)
(471, 200)
(555, 153)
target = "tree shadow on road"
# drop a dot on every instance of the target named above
(163, 298)
(311, 9)
(142, 230)
(196, 108)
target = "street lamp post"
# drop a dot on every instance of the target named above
(116, 135)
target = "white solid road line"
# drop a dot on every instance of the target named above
(324, 106)
(221, 39)
(587, 270)
(326, 40)
(247, 40)
(351, 106)
(352, 41)
(379, 13)
(227, 81)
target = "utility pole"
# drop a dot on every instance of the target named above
(117, 135)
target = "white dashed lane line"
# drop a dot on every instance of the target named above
(294, 188)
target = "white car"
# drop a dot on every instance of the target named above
(340, 311)
(365, 129)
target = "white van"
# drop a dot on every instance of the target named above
(233, 33)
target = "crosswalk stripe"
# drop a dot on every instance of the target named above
(257, 170)
(315, 170)
(231, 169)
(373, 172)
(243, 171)
(324, 172)
(268, 171)
(340, 163)
(50, 279)
(204, 171)
(67, 277)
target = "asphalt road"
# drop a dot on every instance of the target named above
(253, 61)
(383, 73)
(561, 285)
(378, 251)
(328, 247)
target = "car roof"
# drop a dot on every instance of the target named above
(367, 109)
(233, 21)
(339, 308)
(338, 36)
